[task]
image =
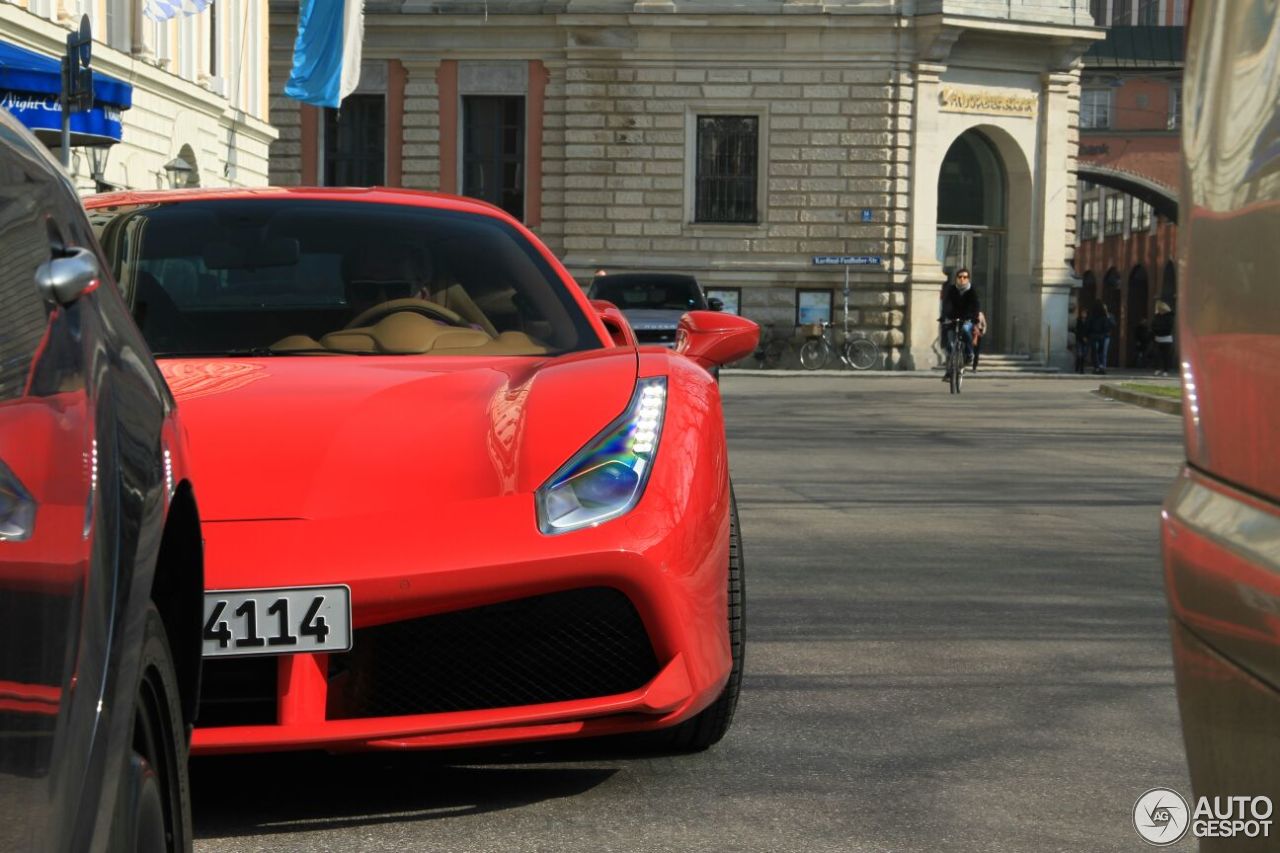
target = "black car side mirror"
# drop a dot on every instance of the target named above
(715, 304)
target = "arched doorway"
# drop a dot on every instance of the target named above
(1136, 310)
(972, 222)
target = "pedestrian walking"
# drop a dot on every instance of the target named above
(1081, 329)
(979, 332)
(1142, 341)
(1101, 325)
(1162, 330)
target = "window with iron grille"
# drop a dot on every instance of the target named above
(1114, 222)
(1095, 109)
(1089, 219)
(1120, 12)
(1148, 13)
(355, 142)
(727, 168)
(493, 150)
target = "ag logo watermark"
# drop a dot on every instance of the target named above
(1162, 817)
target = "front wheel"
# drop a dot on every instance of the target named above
(957, 368)
(813, 354)
(153, 807)
(861, 354)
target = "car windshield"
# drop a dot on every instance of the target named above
(307, 276)
(662, 294)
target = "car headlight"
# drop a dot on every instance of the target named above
(607, 477)
(17, 508)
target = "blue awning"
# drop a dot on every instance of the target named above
(29, 87)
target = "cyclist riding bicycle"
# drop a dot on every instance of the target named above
(959, 303)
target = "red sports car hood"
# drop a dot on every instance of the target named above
(323, 437)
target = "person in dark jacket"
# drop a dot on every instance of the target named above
(1162, 331)
(1083, 345)
(1142, 342)
(1101, 325)
(960, 302)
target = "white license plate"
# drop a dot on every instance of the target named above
(277, 621)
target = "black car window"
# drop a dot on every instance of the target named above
(24, 245)
(658, 295)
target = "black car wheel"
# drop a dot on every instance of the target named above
(154, 807)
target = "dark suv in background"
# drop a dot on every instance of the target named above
(101, 569)
(653, 303)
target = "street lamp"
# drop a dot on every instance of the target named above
(179, 172)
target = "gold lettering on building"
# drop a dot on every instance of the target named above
(991, 103)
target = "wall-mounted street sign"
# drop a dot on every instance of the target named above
(846, 260)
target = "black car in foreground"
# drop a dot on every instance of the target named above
(653, 303)
(101, 576)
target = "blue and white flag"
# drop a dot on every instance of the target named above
(326, 56)
(163, 10)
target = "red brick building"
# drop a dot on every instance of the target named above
(1129, 164)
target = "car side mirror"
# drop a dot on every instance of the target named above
(715, 304)
(615, 322)
(65, 279)
(711, 338)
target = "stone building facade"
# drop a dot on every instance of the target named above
(198, 87)
(738, 142)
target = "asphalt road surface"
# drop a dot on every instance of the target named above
(957, 640)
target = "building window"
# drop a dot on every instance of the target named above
(119, 25)
(728, 156)
(1120, 12)
(813, 306)
(1098, 9)
(1089, 219)
(355, 142)
(493, 150)
(1148, 13)
(1095, 109)
(213, 40)
(1139, 216)
(1114, 222)
(1175, 107)
(730, 298)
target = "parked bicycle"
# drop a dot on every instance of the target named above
(771, 348)
(856, 350)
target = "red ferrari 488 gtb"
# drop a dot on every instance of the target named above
(446, 500)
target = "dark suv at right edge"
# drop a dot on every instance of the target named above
(1221, 520)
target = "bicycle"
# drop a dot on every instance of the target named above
(770, 349)
(857, 351)
(957, 354)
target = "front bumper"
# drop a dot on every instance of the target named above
(474, 641)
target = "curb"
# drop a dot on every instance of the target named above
(1137, 398)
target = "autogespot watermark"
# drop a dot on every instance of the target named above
(1162, 817)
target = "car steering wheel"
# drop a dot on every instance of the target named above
(431, 310)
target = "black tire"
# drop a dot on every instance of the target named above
(813, 354)
(861, 354)
(713, 723)
(153, 810)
